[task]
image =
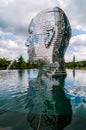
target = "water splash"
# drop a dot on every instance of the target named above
(8, 67)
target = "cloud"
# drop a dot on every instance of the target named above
(76, 12)
(8, 54)
(78, 45)
(11, 46)
(16, 15)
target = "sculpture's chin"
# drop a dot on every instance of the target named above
(46, 46)
(26, 45)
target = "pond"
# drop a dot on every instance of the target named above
(32, 100)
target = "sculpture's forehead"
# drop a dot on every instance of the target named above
(45, 18)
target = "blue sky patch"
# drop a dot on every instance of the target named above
(76, 32)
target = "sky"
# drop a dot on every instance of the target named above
(15, 16)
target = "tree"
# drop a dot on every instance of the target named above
(14, 65)
(4, 63)
(21, 64)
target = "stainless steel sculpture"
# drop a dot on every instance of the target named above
(49, 35)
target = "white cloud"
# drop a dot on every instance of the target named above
(12, 48)
(78, 43)
(76, 12)
(9, 44)
(8, 54)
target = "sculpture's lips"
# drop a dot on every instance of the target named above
(26, 45)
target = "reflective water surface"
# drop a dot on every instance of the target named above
(32, 100)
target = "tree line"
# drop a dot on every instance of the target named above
(20, 63)
(76, 65)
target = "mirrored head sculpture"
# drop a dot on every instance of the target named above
(49, 35)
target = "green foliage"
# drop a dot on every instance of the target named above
(76, 65)
(21, 64)
(31, 66)
(14, 65)
(4, 63)
(17, 64)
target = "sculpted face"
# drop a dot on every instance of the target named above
(49, 34)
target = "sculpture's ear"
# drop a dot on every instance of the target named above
(50, 36)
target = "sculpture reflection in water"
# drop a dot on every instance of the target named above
(49, 108)
(49, 35)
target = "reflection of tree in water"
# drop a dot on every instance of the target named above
(73, 73)
(21, 73)
(56, 113)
